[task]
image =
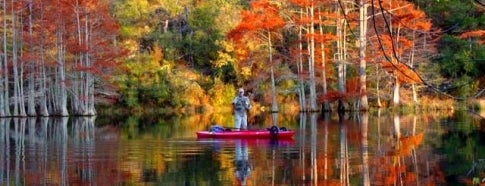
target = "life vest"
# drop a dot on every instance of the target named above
(239, 105)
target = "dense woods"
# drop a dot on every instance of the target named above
(63, 57)
(56, 56)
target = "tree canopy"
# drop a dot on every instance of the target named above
(63, 57)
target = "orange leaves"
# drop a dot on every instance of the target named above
(410, 142)
(324, 38)
(402, 72)
(261, 16)
(412, 18)
(399, 40)
(302, 3)
(476, 33)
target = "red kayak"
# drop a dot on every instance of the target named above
(247, 134)
(250, 142)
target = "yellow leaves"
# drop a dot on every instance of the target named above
(246, 72)
(225, 55)
(223, 59)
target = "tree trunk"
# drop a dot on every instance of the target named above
(340, 52)
(90, 109)
(61, 88)
(41, 71)
(18, 97)
(31, 70)
(395, 97)
(274, 104)
(301, 87)
(378, 90)
(80, 88)
(411, 61)
(3, 64)
(311, 64)
(6, 87)
(362, 48)
(326, 105)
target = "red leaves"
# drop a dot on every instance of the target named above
(331, 96)
(352, 91)
(82, 32)
(262, 16)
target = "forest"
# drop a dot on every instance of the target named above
(75, 57)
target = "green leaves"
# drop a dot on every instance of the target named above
(461, 61)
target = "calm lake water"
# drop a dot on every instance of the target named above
(378, 148)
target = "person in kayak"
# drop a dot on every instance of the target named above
(241, 106)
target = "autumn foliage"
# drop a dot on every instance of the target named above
(262, 16)
(402, 72)
(63, 48)
(480, 34)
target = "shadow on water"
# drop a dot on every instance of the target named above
(377, 148)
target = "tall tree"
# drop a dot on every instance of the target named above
(364, 105)
(4, 73)
(30, 61)
(261, 22)
(17, 67)
(313, 21)
(399, 21)
(91, 41)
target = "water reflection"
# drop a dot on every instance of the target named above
(243, 167)
(364, 123)
(343, 165)
(30, 144)
(378, 148)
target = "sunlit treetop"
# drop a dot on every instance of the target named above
(262, 15)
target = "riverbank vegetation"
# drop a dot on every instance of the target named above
(188, 56)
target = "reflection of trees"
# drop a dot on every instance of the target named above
(365, 150)
(391, 151)
(313, 148)
(343, 153)
(326, 152)
(18, 135)
(40, 150)
(302, 150)
(172, 127)
(400, 162)
(463, 147)
(201, 168)
(84, 148)
(364, 123)
(4, 149)
(60, 137)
